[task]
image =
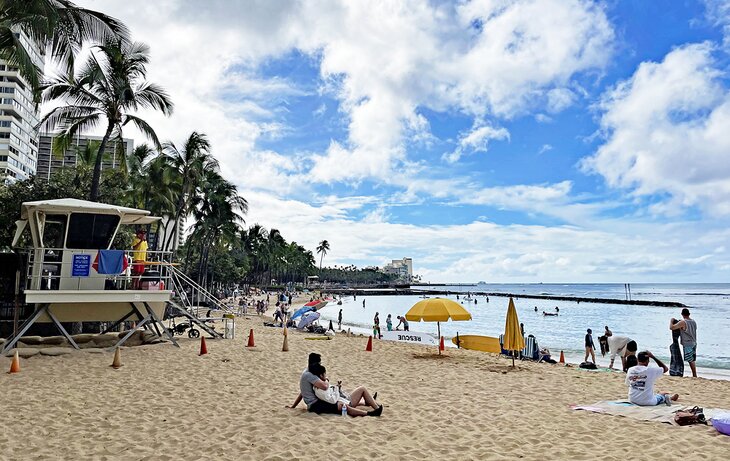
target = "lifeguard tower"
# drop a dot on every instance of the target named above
(73, 275)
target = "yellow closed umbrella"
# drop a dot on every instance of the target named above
(512, 339)
(437, 310)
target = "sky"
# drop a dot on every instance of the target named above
(506, 141)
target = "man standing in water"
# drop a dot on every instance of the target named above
(339, 320)
(688, 335)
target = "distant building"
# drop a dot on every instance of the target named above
(18, 117)
(50, 162)
(401, 268)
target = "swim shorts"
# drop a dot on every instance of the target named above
(690, 353)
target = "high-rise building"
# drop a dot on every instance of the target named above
(50, 161)
(402, 268)
(18, 117)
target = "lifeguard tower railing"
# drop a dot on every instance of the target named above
(55, 269)
(192, 296)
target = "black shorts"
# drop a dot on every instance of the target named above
(321, 407)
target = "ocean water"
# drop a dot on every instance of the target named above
(647, 325)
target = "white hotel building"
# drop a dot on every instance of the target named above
(18, 118)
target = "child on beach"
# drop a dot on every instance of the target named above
(389, 323)
(590, 347)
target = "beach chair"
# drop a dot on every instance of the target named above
(530, 350)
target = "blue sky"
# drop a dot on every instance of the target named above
(496, 140)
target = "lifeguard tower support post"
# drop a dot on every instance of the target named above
(65, 284)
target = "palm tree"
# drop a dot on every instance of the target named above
(322, 249)
(108, 87)
(58, 25)
(188, 165)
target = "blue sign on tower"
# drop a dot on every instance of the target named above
(80, 266)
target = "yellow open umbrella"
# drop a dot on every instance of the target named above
(437, 310)
(512, 339)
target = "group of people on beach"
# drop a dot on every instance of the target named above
(684, 331)
(640, 377)
(323, 398)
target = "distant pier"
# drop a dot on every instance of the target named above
(416, 292)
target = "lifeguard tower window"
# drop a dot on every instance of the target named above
(88, 231)
(54, 230)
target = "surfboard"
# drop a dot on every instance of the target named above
(409, 337)
(479, 343)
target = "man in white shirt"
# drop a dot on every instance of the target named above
(640, 380)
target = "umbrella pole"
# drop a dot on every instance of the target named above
(438, 341)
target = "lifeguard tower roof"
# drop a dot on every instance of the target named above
(66, 205)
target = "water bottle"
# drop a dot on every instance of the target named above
(344, 410)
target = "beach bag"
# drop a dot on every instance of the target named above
(588, 366)
(689, 416)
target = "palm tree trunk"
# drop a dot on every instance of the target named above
(96, 178)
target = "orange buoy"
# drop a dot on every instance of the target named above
(15, 364)
(117, 362)
(369, 347)
(250, 339)
(203, 346)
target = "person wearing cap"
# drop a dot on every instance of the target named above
(139, 256)
(688, 336)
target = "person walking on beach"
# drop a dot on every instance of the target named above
(641, 378)
(688, 335)
(676, 363)
(376, 326)
(389, 323)
(402, 320)
(590, 347)
(339, 320)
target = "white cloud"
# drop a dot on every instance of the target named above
(476, 140)
(504, 253)
(718, 11)
(559, 99)
(666, 131)
(545, 148)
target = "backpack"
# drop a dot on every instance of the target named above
(688, 416)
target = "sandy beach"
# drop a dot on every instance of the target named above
(167, 403)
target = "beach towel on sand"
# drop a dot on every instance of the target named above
(658, 413)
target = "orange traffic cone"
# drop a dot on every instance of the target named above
(117, 362)
(203, 347)
(15, 364)
(285, 346)
(250, 339)
(562, 357)
(286, 331)
(369, 347)
(441, 344)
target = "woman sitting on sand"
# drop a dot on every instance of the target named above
(315, 376)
